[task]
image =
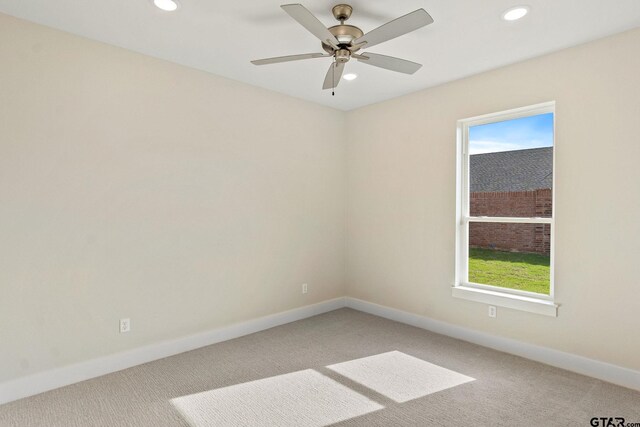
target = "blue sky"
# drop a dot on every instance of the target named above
(517, 134)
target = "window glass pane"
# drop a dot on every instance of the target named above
(511, 167)
(514, 256)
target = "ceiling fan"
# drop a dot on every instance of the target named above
(343, 41)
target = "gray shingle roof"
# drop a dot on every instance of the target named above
(518, 170)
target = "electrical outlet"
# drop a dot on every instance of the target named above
(493, 311)
(304, 288)
(125, 325)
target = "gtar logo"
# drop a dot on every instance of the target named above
(607, 422)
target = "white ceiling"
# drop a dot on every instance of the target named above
(221, 37)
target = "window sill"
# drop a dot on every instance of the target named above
(501, 299)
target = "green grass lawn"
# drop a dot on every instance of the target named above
(525, 272)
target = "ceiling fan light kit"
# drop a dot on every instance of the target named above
(341, 42)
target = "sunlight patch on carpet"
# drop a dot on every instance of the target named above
(303, 398)
(398, 376)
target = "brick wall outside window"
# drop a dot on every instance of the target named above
(534, 238)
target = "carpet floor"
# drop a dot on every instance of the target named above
(343, 368)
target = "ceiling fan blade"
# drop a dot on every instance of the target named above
(288, 58)
(388, 62)
(334, 74)
(403, 25)
(311, 23)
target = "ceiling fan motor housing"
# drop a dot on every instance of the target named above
(345, 35)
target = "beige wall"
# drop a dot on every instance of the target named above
(401, 161)
(132, 187)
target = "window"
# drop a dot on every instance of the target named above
(505, 210)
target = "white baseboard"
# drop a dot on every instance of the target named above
(55, 378)
(52, 379)
(571, 362)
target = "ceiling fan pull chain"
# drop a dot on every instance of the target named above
(333, 79)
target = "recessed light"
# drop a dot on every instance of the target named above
(350, 76)
(515, 13)
(166, 5)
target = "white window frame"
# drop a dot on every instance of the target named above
(495, 295)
